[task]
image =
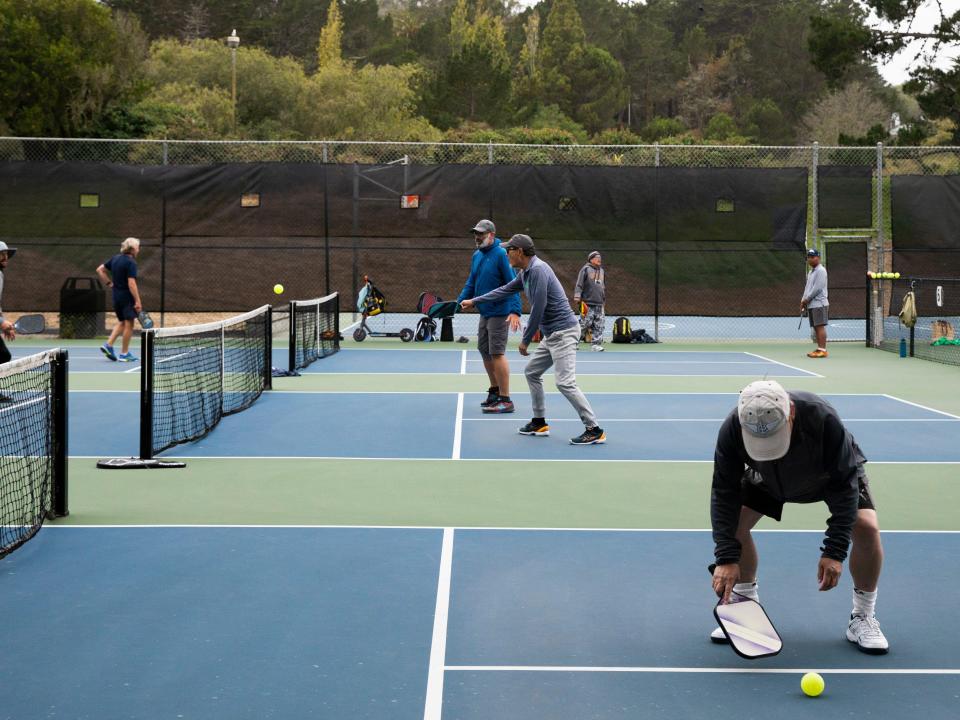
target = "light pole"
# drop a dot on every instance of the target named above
(233, 42)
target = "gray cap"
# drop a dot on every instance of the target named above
(593, 254)
(484, 226)
(764, 411)
(8, 250)
(522, 242)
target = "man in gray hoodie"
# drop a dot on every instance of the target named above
(549, 312)
(815, 303)
(591, 291)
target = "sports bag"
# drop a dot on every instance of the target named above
(621, 330)
(426, 329)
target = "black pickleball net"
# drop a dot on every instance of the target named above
(936, 335)
(193, 376)
(33, 445)
(314, 330)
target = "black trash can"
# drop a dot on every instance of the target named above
(83, 306)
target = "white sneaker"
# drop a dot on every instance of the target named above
(597, 348)
(866, 633)
(718, 637)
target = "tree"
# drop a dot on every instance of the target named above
(852, 110)
(475, 82)
(843, 36)
(370, 103)
(938, 93)
(585, 81)
(63, 63)
(331, 37)
(270, 90)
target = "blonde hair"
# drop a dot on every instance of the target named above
(127, 245)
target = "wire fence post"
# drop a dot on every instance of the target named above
(815, 211)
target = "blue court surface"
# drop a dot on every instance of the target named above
(431, 623)
(463, 361)
(447, 425)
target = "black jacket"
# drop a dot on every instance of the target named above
(823, 463)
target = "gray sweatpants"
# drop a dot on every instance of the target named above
(558, 349)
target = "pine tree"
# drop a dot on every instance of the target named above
(329, 51)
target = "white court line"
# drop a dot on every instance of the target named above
(610, 361)
(694, 670)
(776, 362)
(922, 407)
(463, 362)
(458, 428)
(438, 647)
(244, 526)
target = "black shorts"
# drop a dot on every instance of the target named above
(755, 496)
(125, 311)
(819, 316)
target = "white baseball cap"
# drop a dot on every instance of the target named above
(764, 411)
(8, 250)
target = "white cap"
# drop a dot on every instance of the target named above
(764, 411)
(8, 250)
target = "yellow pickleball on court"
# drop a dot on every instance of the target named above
(812, 684)
(278, 289)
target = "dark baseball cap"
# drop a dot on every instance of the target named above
(813, 252)
(484, 226)
(521, 242)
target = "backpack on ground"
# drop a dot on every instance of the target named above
(621, 330)
(641, 336)
(426, 329)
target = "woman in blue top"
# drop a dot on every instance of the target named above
(490, 269)
(126, 296)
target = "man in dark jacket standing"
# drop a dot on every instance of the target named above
(778, 447)
(490, 269)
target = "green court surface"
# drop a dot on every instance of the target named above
(480, 493)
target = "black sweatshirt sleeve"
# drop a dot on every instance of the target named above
(728, 464)
(842, 492)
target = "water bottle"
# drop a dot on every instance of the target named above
(903, 347)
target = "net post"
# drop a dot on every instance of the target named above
(146, 395)
(59, 506)
(292, 335)
(268, 350)
(336, 322)
(869, 315)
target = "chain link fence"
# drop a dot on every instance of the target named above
(699, 242)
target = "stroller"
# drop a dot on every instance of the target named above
(370, 302)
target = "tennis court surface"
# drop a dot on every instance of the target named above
(362, 542)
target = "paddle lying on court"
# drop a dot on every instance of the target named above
(30, 324)
(747, 626)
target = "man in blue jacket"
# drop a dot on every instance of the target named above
(490, 269)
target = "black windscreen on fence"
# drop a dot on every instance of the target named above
(925, 214)
(679, 240)
(845, 196)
